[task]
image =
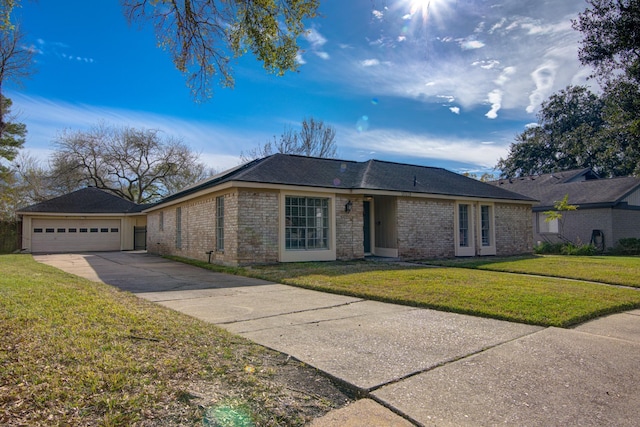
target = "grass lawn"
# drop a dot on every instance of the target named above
(542, 301)
(605, 269)
(75, 352)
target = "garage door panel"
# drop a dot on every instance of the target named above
(68, 235)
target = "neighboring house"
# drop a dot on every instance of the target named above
(85, 220)
(608, 208)
(285, 208)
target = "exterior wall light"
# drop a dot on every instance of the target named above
(348, 206)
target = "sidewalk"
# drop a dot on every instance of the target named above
(416, 366)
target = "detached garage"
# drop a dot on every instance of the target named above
(86, 220)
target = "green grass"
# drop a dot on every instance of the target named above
(545, 301)
(75, 352)
(614, 270)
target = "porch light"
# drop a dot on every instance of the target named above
(347, 207)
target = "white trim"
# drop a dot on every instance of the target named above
(306, 255)
(491, 248)
(469, 250)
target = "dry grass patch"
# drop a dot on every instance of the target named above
(75, 352)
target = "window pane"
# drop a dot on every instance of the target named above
(485, 220)
(306, 223)
(463, 219)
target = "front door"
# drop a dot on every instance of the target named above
(366, 226)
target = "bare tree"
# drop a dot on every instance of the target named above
(314, 139)
(136, 164)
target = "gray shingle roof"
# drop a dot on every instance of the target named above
(87, 200)
(583, 187)
(285, 169)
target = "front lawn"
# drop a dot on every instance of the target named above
(535, 300)
(75, 352)
(604, 269)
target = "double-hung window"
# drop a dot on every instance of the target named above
(307, 223)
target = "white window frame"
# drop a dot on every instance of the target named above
(469, 249)
(544, 227)
(475, 244)
(490, 248)
(309, 254)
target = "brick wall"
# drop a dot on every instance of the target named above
(256, 230)
(349, 228)
(514, 232)
(425, 228)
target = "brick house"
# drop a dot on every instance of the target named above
(286, 208)
(608, 208)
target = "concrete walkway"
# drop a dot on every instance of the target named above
(415, 366)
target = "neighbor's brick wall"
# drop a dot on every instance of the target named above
(257, 227)
(349, 228)
(425, 228)
(514, 232)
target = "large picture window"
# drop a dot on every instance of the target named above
(307, 223)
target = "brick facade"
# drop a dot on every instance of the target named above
(349, 228)
(514, 233)
(425, 228)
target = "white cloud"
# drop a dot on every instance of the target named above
(495, 99)
(455, 110)
(467, 44)
(370, 62)
(378, 14)
(399, 142)
(218, 146)
(516, 51)
(314, 37)
(544, 79)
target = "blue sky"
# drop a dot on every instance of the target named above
(445, 83)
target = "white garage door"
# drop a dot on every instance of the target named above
(75, 235)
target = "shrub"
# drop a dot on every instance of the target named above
(627, 246)
(565, 249)
(581, 250)
(548, 248)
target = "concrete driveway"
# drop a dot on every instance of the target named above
(431, 367)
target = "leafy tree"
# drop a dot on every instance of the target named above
(15, 65)
(560, 206)
(12, 134)
(203, 35)
(611, 43)
(568, 136)
(136, 164)
(314, 139)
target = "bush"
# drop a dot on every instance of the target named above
(548, 248)
(581, 250)
(565, 249)
(9, 236)
(627, 246)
